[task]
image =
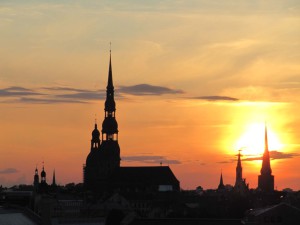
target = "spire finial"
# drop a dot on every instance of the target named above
(110, 47)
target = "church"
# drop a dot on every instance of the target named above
(266, 179)
(102, 171)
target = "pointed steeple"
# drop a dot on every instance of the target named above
(110, 125)
(110, 145)
(239, 169)
(266, 166)
(240, 184)
(110, 85)
(266, 179)
(110, 105)
(221, 184)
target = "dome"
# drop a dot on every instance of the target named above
(93, 158)
(95, 132)
(110, 125)
(43, 173)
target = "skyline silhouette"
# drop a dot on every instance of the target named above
(194, 84)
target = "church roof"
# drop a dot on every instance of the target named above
(154, 175)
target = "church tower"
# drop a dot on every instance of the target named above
(36, 180)
(110, 145)
(266, 179)
(92, 170)
(104, 156)
(43, 176)
(238, 171)
(240, 183)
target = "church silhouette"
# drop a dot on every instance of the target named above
(102, 171)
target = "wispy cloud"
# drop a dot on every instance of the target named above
(17, 91)
(48, 100)
(273, 156)
(283, 155)
(56, 95)
(8, 171)
(151, 159)
(226, 161)
(147, 89)
(84, 95)
(216, 98)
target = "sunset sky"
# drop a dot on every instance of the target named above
(195, 81)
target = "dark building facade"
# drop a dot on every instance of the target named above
(266, 179)
(102, 170)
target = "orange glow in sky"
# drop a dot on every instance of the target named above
(252, 141)
(194, 83)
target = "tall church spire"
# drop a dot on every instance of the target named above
(266, 167)
(110, 145)
(110, 85)
(239, 170)
(104, 156)
(266, 179)
(110, 125)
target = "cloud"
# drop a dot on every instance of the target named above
(151, 159)
(282, 155)
(8, 171)
(147, 89)
(216, 98)
(63, 89)
(55, 95)
(226, 161)
(84, 95)
(273, 156)
(17, 92)
(48, 100)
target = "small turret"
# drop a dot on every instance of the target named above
(36, 179)
(95, 142)
(43, 176)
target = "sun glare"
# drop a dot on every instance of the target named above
(252, 141)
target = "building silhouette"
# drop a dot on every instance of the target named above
(104, 156)
(53, 179)
(266, 179)
(40, 185)
(36, 180)
(240, 185)
(221, 184)
(102, 171)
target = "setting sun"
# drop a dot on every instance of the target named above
(252, 141)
